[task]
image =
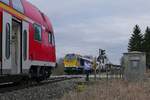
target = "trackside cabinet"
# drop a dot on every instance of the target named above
(134, 64)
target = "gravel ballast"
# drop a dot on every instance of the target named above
(50, 91)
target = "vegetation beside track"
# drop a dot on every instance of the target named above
(110, 90)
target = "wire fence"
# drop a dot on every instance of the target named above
(111, 72)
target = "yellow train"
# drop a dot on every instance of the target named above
(74, 63)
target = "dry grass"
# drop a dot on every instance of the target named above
(112, 90)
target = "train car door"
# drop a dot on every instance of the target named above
(16, 46)
(6, 47)
(1, 54)
(25, 47)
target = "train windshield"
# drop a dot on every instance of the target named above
(70, 57)
(5, 1)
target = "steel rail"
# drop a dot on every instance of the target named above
(10, 87)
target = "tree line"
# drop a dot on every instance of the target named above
(140, 42)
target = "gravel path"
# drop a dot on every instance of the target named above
(46, 92)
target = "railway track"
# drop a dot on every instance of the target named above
(9, 87)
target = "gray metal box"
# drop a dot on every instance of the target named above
(134, 65)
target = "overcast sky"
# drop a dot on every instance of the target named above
(84, 26)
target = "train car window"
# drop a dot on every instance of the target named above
(17, 4)
(53, 40)
(7, 41)
(49, 38)
(81, 62)
(37, 32)
(25, 44)
(5, 1)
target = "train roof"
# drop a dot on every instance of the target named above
(36, 15)
(79, 56)
(87, 59)
(29, 10)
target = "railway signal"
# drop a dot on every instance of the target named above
(101, 56)
(101, 52)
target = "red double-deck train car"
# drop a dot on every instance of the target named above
(27, 45)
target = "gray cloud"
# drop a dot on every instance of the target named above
(84, 26)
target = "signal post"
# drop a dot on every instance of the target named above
(100, 59)
(94, 67)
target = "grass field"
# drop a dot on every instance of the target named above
(111, 90)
